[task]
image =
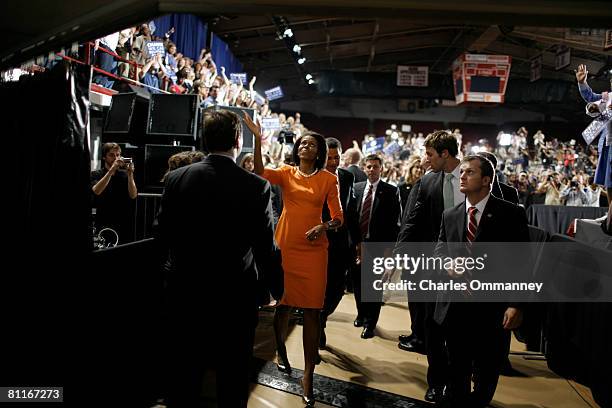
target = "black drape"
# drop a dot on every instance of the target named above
(44, 121)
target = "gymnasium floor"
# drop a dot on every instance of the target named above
(377, 363)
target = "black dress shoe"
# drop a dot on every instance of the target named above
(404, 338)
(414, 346)
(358, 322)
(367, 333)
(435, 394)
(322, 339)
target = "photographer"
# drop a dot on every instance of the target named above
(115, 192)
(551, 188)
(575, 194)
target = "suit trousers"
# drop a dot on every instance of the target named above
(338, 261)
(368, 311)
(475, 337)
(435, 346)
(223, 343)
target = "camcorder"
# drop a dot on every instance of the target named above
(286, 136)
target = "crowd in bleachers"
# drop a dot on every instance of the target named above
(543, 171)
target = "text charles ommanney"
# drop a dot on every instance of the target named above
(474, 285)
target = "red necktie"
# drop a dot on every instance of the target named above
(366, 209)
(472, 225)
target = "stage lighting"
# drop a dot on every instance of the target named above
(310, 81)
(505, 139)
(288, 33)
(301, 60)
(478, 149)
(308, 76)
(297, 49)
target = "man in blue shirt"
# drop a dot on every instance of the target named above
(603, 174)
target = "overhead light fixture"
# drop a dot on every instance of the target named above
(288, 33)
(297, 49)
(308, 76)
(301, 60)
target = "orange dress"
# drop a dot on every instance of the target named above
(304, 262)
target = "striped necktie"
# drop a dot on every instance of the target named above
(366, 209)
(472, 225)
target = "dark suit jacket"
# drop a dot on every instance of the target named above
(422, 222)
(357, 173)
(386, 211)
(348, 233)
(501, 221)
(505, 192)
(216, 219)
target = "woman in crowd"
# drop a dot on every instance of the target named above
(413, 173)
(247, 162)
(301, 237)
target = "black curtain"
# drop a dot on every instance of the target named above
(46, 225)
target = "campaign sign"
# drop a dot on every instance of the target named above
(274, 93)
(236, 77)
(155, 47)
(270, 124)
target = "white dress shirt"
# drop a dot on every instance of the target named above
(480, 206)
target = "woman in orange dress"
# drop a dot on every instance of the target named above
(300, 234)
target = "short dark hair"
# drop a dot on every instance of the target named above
(107, 147)
(333, 143)
(486, 167)
(321, 159)
(220, 130)
(441, 140)
(371, 157)
(489, 156)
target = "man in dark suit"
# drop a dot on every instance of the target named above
(476, 334)
(379, 209)
(437, 190)
(340, 250)
(216, 220)
(499, 189)
(352, 157)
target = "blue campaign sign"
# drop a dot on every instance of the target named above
(392, 148)
(270, 124)
(235, 77)
(274, 93)
(155, 47)
(374, 145)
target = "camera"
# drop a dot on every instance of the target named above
(126, 161)
(286, 137)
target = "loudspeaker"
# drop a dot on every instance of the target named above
(156, 162)
(247, 135)
(173, 115)
(126, 118)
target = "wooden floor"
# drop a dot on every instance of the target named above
(379, 364)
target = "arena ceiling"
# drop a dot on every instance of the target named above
(353, 35)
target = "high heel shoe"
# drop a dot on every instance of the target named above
(308, 400)
(283, 364)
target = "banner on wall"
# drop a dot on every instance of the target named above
(408, 75)
(536, 68)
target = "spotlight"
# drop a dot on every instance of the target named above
(297, 49)
(310, 82)
(288, 33)
(301, 60)
(308, 76)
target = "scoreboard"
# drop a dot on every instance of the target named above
(481, 78)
